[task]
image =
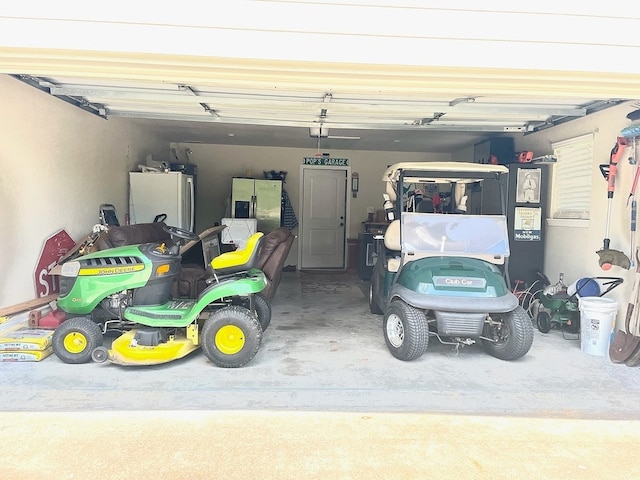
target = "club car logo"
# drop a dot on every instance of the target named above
(459, 282)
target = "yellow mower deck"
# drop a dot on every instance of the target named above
(124, 351)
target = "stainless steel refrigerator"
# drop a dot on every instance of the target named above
(259, 199)
(157, 193)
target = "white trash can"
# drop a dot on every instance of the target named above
(597, 318)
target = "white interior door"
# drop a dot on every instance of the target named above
(323, 221)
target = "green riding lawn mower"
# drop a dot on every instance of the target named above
(126, 291)
(440, 267)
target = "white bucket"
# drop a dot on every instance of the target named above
(597, 318)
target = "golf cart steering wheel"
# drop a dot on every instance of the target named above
(181, 233)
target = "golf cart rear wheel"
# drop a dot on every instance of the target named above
(511, 338)
(543, 320)
(373, 306)
(75, 339)
(231, 337)
(406, 331)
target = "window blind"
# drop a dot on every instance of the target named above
(572, 177)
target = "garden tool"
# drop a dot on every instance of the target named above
(607, 256)
(632, 197)
(625, 343)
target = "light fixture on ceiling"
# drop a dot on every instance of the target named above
(317, 131)
(456, 101)
(320, 131)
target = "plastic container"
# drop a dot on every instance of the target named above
(584, 287)
(597, 318)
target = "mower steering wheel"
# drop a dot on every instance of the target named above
(181, 233)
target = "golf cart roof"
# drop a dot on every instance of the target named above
(441, 172)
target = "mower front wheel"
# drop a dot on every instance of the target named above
(231, 337)
(75, 339)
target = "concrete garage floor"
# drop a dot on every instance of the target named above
(324, 398)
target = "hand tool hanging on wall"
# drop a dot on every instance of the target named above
(625, 343)
(607, 256)
(634, 205)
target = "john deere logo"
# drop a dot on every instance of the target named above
(110, 270)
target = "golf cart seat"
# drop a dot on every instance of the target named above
(392, 243)
(239, 260)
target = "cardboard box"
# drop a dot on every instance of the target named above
(26, 339)
(238, 230)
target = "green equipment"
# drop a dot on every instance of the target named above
(127, 291)
(443, 274)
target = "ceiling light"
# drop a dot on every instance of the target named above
(317, 131)
(456, 101)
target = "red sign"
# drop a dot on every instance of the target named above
(54, 248)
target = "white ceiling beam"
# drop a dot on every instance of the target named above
(362, 80)
(487, 35)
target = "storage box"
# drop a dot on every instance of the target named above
(25, 355)
(238, 230)
(26, 339)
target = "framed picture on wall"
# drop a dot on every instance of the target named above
(528, 185)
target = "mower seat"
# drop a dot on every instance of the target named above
(239, 260)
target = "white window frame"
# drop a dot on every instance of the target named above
(572, 178)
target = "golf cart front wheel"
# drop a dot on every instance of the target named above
(231, 337)
(509, 336)
(75, 339)
(406, 331)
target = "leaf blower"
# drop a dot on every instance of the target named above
(607, 256)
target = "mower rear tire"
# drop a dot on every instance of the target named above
(263, 310)
(512, 338)
(231, 337)
(75, 339)
(261, 307)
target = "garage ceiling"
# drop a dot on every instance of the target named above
(408, 76)
(199, 112)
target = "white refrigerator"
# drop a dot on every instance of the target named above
(157, 193)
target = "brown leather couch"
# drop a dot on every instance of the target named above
(133, 235)
(275, 249)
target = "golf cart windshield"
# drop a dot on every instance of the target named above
(450, 235)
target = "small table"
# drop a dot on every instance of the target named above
(375, 227)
